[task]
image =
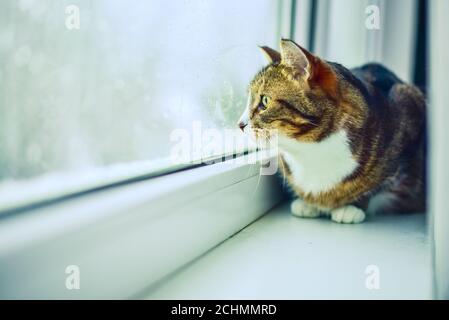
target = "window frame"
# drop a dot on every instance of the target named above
(127, 238)
(393, 45)
(100, 178)
(438, 154)
(114, 230)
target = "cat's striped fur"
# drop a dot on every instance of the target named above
(365, 123)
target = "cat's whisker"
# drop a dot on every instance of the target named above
(249, 170)
(283, 171)
(257, 185)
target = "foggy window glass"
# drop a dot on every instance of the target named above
(87, 84)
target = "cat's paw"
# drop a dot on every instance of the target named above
(301, 209)
(348, 214)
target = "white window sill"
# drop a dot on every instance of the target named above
(284, 257)
(125, 238)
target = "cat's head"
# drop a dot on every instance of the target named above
(297, 94)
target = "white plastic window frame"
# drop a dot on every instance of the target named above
(128, 234)
(341, 23)
(439, 145)
(126, 239)
(58, 187)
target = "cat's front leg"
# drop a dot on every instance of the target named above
(348, 214)
(301, 209)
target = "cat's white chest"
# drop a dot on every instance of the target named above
(319, 166)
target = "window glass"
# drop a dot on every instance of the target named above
(87, 84)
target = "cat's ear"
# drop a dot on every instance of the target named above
(294, 56)
(309, 67)
(271, 54)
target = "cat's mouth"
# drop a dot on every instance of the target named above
(253, 130)
(260, 134)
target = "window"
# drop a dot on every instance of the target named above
(90, 84)
(347, 32)
(91, 92)
(439, 156)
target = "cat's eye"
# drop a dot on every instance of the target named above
(263, 103)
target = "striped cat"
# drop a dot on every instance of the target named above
(350, 141)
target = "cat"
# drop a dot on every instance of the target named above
(350, 142)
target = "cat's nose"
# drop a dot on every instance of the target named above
(243, 121)
(242, 125)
